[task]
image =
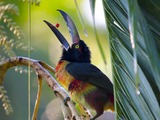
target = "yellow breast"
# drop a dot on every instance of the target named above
(63, 77)
(79, 90)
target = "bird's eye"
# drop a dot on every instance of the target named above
(77, 46)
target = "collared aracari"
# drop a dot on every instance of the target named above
(86, 84)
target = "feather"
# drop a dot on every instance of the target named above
(89, 73)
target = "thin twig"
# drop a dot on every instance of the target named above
(36, 106)
(48, 67)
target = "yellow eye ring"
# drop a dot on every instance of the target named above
(77, 46)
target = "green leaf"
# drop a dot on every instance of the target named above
(92, 5)
(140, 21)
(151, 48)
(145, 87)
(132, 20)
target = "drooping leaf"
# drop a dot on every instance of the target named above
(92, 5)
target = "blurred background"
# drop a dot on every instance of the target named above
(47, 48)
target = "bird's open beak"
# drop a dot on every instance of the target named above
(72, 29)
(71, 26)
(58, 35)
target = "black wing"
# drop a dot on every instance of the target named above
(89, 73)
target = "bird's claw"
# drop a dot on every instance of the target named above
(66, 100)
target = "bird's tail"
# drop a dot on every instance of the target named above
(110, 104)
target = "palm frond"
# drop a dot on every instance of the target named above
(133, 37)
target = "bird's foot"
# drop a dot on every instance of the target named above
(85, 117)
(55, 92)
(88, 114)
(66, 100)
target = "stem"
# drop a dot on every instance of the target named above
(36, 106)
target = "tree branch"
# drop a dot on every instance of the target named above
(41, 70)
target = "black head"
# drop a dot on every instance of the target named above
(78, 51)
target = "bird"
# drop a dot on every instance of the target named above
(86, 84)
